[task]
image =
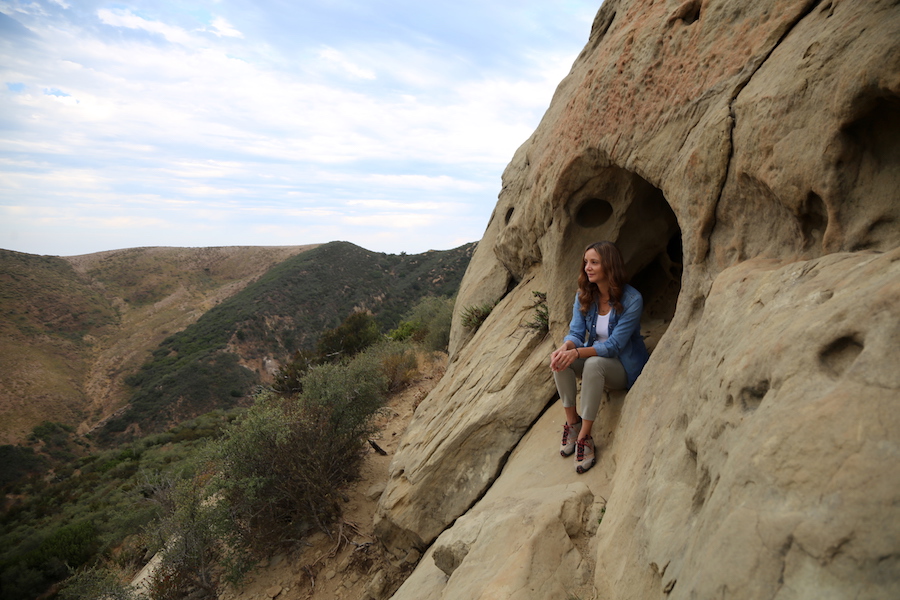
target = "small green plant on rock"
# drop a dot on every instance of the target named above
(473, 316)
(541, 320)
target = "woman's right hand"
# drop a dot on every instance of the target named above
(561, 358)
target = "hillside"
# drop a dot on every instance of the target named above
(74, 327)
(51, 319)
(214, 362)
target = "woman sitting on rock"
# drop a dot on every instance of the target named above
(604, 346)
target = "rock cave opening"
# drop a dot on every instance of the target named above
(652, 238)
(871, 145)
(619, 205)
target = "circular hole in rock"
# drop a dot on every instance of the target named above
(593, 213)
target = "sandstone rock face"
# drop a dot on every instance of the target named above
(517, 547)
(745, 157)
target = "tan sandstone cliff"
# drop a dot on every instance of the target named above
(745, 156)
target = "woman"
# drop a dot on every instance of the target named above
(604, 346)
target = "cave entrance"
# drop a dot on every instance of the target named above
(621, 206)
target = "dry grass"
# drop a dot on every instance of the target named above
(79, 379)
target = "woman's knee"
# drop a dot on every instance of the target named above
(605, 370)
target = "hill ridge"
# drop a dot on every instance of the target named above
(137, 297)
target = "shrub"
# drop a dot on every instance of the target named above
(406, 330)
(18, 461)
(541, 320)
(170, 392)
(37, 566)
(71, 544)
(97, 582)
(473, 316)
(289, 378)
(355, 334)
(196, 534)
(52, 434)
(282, 464)
(397, 362)
(429, 322)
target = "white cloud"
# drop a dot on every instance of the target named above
(121, 222)
(392, 221)
(129, 20)
(337, 58)
(221, 27)
(29, 8)
(425, 182)
(394, 205)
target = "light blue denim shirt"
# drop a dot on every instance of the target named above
(625, 340)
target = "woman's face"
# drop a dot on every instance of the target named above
(593, 267)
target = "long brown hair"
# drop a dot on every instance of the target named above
(614, 269)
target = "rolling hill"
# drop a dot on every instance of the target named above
(137, 339)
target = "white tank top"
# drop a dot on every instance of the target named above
(603, 327)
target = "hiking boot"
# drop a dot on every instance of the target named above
(584, 454)
(570, 435)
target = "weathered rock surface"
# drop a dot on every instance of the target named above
(518, 546)
(745, 157)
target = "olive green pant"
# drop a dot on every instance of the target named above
(597, 373)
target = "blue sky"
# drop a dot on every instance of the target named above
(269, 122)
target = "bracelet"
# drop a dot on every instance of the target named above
(577, 355)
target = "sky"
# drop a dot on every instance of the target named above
(386, 123)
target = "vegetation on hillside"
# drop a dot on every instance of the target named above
(87, 505)
(71, 329)
(142, 276)
(284, 312)
(276, 474)
(212, 493)
(43, 295)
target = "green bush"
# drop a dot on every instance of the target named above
(429, 323)
(188, 387)
(88, 508)
(289, 378)
(473, 316)
(407, 330)
(355, 334)
(97, 582)
(398, 363)
(35, 567)
(18, 461)
(196, 535)
(282, 465)
(52, 434)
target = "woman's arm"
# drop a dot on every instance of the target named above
(572, 347)
(577, 326)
